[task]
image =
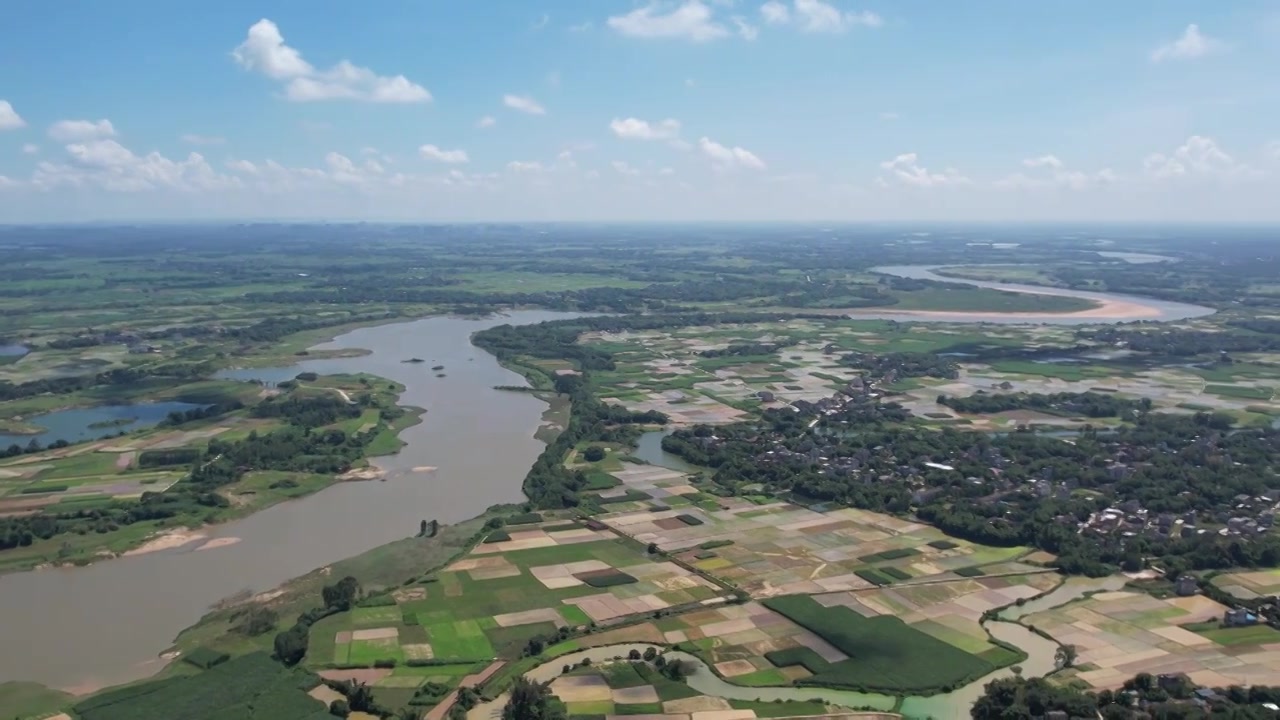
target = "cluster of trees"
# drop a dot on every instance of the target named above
(1142, 697)
(1175, 464)
(1088, 404)
(291, 645)
(902, 365)
(748, 349)
(182, 417)
(309, 410)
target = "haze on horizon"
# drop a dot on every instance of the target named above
(659, 110)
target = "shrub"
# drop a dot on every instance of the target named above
(605, 578)
(943, 545)
(713, 544)
(525, 518)
(970, 572)
(498, 536)
(688, 519)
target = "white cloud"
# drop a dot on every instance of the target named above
(265, 51)
(196, 139)
(1192, 44)
(775, 13)
(521, 166)
(1052, 173)
(623, 168)
(9, 118)
(691, 20)
(746, 30)
(487, 121)
(667, 172)
(729, 157)
(888, 116)
(106, 164)
(431, 152)
(524, 104)
(906, 170)
(1050, 161)
(637, 129)
(30, 148)
(74, 130)
(1199, 156)
(816, 16)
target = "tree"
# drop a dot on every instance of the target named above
(361, 698)
(341, 595)
(634, 654)
(595, 453)
(339, 708)
(1065, 656)
(532, 701)
(653, 548)
(291, 645)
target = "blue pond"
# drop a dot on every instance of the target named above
(74, 425)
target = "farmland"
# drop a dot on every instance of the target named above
(1122, 633)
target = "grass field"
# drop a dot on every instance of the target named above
(25, 699)
(884, 654)
(251, 687)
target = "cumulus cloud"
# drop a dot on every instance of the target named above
(746, 30)
(196, 139)
(1050, 172)
(524, 104)
(637, 129)
(9, 118)
(905, 169)
(80, 130)
(729, 157)
(1192, 44)
(691, 20)
(1199, 156)
(815, 16)
(105, 163)
(487, 121)
(30, 148)
(265, 51)
(431, 152)
(521, 166)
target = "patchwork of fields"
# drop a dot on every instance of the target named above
(504, 593)
(1120, 634)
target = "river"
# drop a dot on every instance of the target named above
(105, 623)
(1113, 308)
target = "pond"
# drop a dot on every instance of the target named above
(649, 449)
(14, 350)
(79, 424)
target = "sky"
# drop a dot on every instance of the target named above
(662, 110)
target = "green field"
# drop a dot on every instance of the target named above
(1240, 391)
(885, 655)
(251, 687)
(1251, 635)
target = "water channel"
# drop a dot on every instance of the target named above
(105, 623)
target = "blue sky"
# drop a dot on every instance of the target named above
(662, 110)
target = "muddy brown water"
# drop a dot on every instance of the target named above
(106, 623)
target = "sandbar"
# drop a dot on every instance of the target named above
(219, 542)
(167, 540)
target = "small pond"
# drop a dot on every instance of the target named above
(13, 350)
(649, 449)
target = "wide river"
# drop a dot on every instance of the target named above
(1111, 307)
(106, 623)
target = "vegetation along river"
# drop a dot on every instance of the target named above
(105, 623)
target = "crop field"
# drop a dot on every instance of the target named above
(882, 653)
(627, 688)
(783, 549)
(253, 687)
(1248, 585)
(503, 593)
(1119, 634)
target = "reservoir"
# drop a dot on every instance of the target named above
(106, 623)
(81, 424)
